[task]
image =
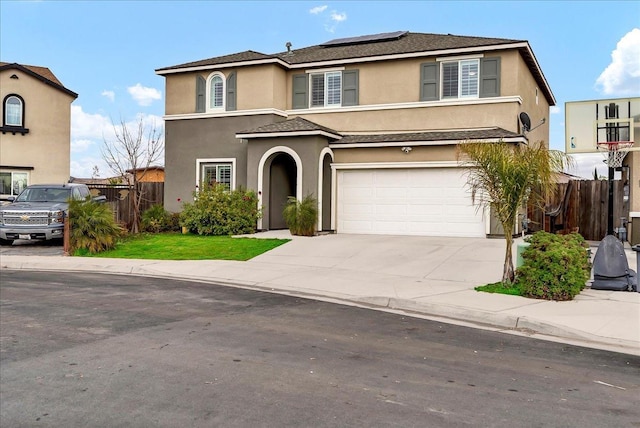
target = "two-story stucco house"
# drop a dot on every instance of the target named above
(368, 125)
(35, 136)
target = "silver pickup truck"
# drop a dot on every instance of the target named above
(39, 211)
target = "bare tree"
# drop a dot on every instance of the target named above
(131, 154)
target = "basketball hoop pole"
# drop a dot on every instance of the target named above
(610, 204)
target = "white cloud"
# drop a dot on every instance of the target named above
(622, 76)
(109, 94)
(318, 10)
(554, 110)
(80, 146)
(142, 95)
(87, 126)
(335, 18)
(338, 17)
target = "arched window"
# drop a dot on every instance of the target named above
(13, 111)
(215, 89)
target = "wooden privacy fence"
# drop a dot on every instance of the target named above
(586, 210)
(119, 197)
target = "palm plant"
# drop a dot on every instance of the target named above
(92, 226)
(504, 177)
(301, 217)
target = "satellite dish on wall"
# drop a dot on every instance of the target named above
(525, 121)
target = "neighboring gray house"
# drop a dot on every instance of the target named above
(368, 125)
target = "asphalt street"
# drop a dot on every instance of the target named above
(84, 349)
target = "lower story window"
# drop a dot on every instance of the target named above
(12, 183)
(217, 173)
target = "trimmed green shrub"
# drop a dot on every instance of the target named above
(92, 227)
(556, 267)
(156, 219)
(301, 217)
(217, 211)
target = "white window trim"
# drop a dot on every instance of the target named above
(324, 70)
(12, 172)
(208, 92)
(20, 111)
(458, 58)
(324, 73)
(201, 161)
(458, 61)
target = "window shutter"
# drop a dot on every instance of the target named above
(231, 92)
(350, 88)
(490, 77)
(429, 76)
(300, 88)
(201, 89)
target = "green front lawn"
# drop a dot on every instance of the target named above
(175, 246)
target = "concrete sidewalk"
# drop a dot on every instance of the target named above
(421, 276)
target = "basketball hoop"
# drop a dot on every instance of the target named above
(615, 151)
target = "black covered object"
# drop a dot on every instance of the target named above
(610, 267)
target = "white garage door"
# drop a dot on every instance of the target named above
(427, 202)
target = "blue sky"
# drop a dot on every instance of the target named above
(107, 51)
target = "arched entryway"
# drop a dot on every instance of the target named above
(280, 173)
(282, 184)
(325, 181)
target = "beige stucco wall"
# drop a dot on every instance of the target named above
(261, 87)
(429, 117)
(180, 93)
(380, 83)
(258, 87)
(47, 115)
(534, 103)
(395, 154)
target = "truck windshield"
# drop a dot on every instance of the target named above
(44, 194)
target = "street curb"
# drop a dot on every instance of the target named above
(445, 313)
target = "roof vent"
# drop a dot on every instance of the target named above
(288, 45)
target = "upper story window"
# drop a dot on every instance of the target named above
(13, 115)
(13, 111)
(325, 89)
(460, 78)
(215, 91)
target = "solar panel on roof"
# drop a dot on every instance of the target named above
(365, 39)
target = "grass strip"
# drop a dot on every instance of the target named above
(176, 246)
(499, 288)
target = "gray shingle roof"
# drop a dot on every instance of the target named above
(299, 124)
(219, 60)
(409, 43)
(454, 136)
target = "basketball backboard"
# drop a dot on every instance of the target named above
(588, 123)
